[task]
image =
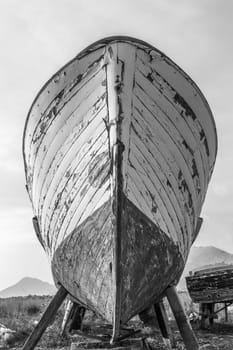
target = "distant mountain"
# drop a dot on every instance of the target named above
(28, 286)
(204, 256)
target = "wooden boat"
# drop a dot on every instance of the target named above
(119, 147)
(213, 284)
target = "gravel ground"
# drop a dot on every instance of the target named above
(220, 337)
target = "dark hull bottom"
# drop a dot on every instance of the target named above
(150, 262)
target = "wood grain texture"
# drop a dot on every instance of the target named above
(211, 285)
(150, 261)
(189, 337)
(46, 318)
(83, 261)
(119, 147)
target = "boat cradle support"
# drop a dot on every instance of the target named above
(208, 312)
(45, 320)
(184, 326)
(163, 323)
(182, 321)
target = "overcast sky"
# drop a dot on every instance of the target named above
(37, 37)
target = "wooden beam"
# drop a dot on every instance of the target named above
(164, 324)
(182, 321)
(45, 319)
(202, 312)
(217, 311)
(76, 317)
(66, 317)
(211, 313)
(148, 317)
(226, 312)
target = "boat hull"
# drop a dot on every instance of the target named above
(119, 147)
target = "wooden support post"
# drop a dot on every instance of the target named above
(45, 319)
(66, 317)
(204, 315)
(211, 313)
(148, 317)
(184, 326)
(164, 325)
(201, 313)
(77, 315)
(226, 312)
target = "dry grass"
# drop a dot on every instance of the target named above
(21, 314)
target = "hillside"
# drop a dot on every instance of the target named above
(28, 286)
(202, 256)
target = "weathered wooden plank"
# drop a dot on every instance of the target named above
(162, 161)
(165, 97)
(136, 187)
(184, 326)
(65, 136)
(76, 174)
(211, 285)
(67, 75)
(126, 95)
(95, 268)
(154, 195)
(186, 88)
(163, 199)
(68, 106)
(45, 319)
(164, 325)
(57, 133)
(181, 135)
(184, 178)
(114, 72)
(147, 110)
(156, 137)
(92, 200)
(66, 317)
(75, 185)
(226, 312)
(151, 159)
(74, 269)
(69, 176)
(157, 251)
